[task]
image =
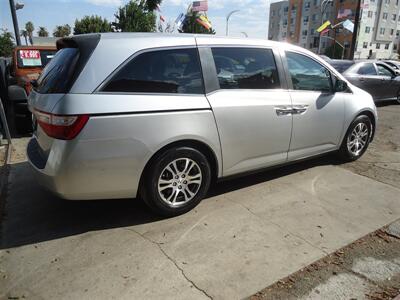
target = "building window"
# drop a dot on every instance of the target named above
(394, 17)
(314, 18)
(387, 46)
(397, 2)
(312, 31)
(384, 16)
(382, 30)
(370, 13)
(394, 47)
(378, 46)
(367, 29)
(315, 2)
(305, 19)
(397, 32)
(304, 32)
(365, 45)
(307, 5)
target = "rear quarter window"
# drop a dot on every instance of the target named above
(173, 71)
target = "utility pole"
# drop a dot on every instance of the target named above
(355, 32)
(15, 22)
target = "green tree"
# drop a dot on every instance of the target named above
(43, 32)
(136, 16)
(6, 43)
(24, 33)
(190, 25)
(62, 31)
(152, 5)
(91, 24)
(29, 29)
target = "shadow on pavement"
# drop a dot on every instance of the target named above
(33, 215)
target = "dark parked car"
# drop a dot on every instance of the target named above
(393, 63)
(377, 78)
(341, 64)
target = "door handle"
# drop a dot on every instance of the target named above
(283, 110)
(299, 109)
(362, 79)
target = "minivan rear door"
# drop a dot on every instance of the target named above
(251, 106)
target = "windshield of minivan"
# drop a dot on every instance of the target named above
(57, 75)
(31, 58)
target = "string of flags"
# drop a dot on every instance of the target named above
(325, 27)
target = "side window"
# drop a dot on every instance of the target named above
(246, 68)
(164, 71)
(384, 71)
(307, 74)
(367, 69)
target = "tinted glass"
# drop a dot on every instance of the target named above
(246, 68)
(307, 74)
(382, 70)
(58, 73)
(166, 71)
(367, 69)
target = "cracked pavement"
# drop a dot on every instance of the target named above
(249, 233)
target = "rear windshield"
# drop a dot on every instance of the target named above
(34, 58)
(57, 75)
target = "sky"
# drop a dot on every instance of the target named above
(251, 19)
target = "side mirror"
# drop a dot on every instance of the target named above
(396, 73)
(340, 85)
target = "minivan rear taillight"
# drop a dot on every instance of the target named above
(61, 127)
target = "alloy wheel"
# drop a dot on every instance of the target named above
(179, 182)
(358, 138)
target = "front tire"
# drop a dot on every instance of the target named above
(357, 139)
(176, 181)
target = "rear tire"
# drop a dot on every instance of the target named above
(357, 139)
(176, 181)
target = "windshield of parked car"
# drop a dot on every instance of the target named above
(31, 58)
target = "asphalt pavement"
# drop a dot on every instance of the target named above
(249, 233)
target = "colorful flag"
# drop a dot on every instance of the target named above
(200, 5)
(323, 26)
(162, 18)
(325, 31)
(349, 25)
(204, 24)
(343, 13)
(179, 21)
(205, 20)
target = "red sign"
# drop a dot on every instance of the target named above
(29, 54)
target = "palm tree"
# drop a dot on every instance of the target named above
(29, 29)
(24, 33)
(43, 32)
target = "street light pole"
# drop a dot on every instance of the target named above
(15, 22)
(324, 4)
(355, 31)
(227, 19)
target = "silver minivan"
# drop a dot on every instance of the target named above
(123, 115)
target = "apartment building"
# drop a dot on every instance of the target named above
(379, 29)
(296, 21)
(278, 21)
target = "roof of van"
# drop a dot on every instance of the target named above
(132, 35)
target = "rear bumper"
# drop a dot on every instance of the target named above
(68, 174)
